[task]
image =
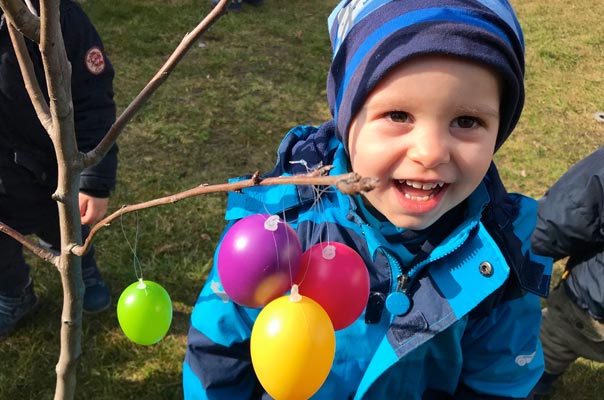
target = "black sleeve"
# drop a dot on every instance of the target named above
(570, 214)
(92, 92)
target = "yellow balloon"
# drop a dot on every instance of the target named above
(292, 347)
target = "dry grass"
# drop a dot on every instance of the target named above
(221, 114)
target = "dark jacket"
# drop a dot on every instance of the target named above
(23, 140)
(570, 223)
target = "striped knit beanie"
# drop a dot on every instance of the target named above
(370, 37)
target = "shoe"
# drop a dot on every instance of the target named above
(14, 309)
(97, 296)
(254, 2)
(234, 5)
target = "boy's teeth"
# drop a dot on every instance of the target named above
(423, 185)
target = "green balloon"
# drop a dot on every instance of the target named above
(144, 311)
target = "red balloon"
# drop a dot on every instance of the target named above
(335, 276)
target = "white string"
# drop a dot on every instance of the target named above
(138, 269)
(317, 205)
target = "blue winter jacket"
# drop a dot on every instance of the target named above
(570, 224)
(472, 330)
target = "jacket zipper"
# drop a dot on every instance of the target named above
(398, 302)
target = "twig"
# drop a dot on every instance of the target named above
(22, 18)
(351, 183)
(40, 251)
(29, 78)
(95, 155)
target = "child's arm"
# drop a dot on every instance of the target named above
(217, 361)
(502, 353)
(570, 214)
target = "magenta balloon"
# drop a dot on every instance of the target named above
(335, 276)
(258, 259)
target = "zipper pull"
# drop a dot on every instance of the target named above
(397, 302)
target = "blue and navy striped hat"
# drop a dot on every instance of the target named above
(370, 37)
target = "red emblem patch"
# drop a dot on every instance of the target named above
(94, 60)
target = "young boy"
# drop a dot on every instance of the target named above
(28, 166)
(570, 224)
(422, 93)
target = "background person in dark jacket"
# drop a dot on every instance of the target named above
(571, 224)
(28, 167)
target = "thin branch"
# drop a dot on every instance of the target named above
(29, 78)
(56, 65)
(347, 183)
(38, 250)
(22, 18)
(95, 155)
(57, 70)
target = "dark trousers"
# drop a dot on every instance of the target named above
(26, 206)
(569, 332)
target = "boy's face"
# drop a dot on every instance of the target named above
(428, 132)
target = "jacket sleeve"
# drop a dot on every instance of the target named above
(217, 360)
(92, 93)
(570, 214)
(502, 351)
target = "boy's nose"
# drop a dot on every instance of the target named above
(429, 148)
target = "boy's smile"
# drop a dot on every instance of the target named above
(419, 196)
(428, 132)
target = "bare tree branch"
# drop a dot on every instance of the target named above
(57, 70)
(26, 22)
(38, 250)
(96, 154)
(29, 78)
(347, 183)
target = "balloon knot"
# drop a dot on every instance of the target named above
(329, 252)
(295, 296)
(272, 223)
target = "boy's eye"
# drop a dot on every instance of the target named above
(399, 116)
(465, 122)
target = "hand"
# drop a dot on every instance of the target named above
(92, 209)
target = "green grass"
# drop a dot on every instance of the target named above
(564, 88)
(221, 114)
